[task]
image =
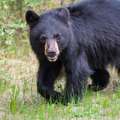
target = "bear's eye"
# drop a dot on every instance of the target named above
(57, 36)
(42, 37)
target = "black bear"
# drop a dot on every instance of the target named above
(84, 38)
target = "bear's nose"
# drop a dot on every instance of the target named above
(51, 53)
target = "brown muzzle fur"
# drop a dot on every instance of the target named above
(51, 50)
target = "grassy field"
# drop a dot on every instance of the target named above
(20, 101)
(18, 91)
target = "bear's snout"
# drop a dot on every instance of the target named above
(51, 50)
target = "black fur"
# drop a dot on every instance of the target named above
(100, 80)
(90, 40)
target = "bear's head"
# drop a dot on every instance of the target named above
(49, 31)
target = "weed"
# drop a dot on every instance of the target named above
(13, 103)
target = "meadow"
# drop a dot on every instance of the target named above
(19, 99)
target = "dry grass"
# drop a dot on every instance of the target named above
(23, 74)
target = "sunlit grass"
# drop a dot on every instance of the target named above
(19, 98)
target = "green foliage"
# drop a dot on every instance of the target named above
(4, 80)
(59, 86)
(13, 103)
(7, 35)
(41, 114)
(4, 74)
(105, 103)
(50, 109)
(9, 25)
(12, 19)
(99, 98)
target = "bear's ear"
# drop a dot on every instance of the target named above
(64, 13)
(31, 17)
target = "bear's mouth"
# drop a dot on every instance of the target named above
(52, 59)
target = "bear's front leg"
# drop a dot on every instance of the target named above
(48, 72)
(75, 88)
(77, 73)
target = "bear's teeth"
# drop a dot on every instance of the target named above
(52, 59)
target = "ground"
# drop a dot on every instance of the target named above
(30, 105)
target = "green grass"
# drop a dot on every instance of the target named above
(18, 91)
(20, 101)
